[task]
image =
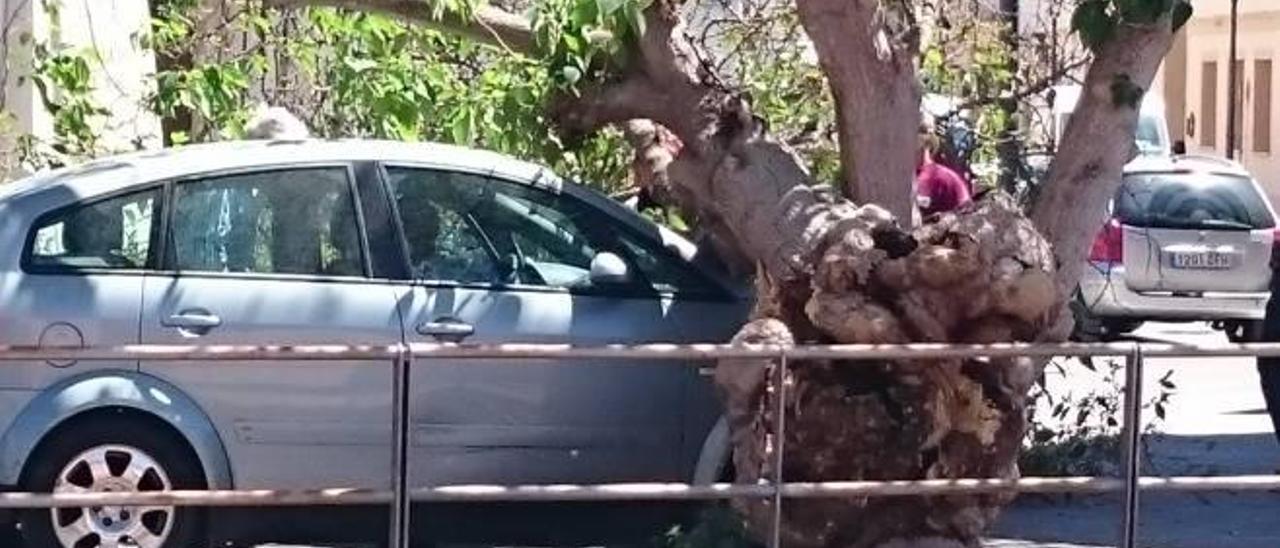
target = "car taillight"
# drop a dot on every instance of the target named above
(1108, 247)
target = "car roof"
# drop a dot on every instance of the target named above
(1185, 164)
(110, 173)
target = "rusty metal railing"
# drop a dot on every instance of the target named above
(404, 357)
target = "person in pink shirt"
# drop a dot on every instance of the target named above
(938, 188)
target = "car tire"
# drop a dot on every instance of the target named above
(107, 453)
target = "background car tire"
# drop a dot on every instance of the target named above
(1241, 331)
(150, 436)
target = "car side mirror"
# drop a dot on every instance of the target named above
(609, 269)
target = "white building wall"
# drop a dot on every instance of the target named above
(120, 69)
(1208, 40)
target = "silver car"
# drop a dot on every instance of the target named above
(270, 243)
(1189, 238)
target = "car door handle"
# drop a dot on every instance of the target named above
(447, 329)
(193, 320)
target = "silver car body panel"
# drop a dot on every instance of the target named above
(1104, 292)
(42, 412)
(506, 421)
(282, 421)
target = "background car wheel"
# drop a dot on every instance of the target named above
(1241, 331)
(113, 453)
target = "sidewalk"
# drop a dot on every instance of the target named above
(1167, 520)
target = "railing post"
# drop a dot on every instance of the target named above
(780, 423)
(400, 429)
(1131, 439)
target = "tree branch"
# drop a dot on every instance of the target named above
(871, 69)
(488, 24)
(1097, 144)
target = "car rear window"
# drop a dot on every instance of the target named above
(1192, 201)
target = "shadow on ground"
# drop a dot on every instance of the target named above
(1167, 520)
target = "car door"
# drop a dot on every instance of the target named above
(275, 257)
(497, 261)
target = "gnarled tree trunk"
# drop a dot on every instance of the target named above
(833, 272)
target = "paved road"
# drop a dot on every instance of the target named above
(1216, 425)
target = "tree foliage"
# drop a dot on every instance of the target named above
(348, 74)
(1098, 20)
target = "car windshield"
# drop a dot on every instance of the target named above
(1192, 201)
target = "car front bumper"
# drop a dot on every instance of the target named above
(1105, 295)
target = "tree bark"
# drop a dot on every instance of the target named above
(1096, 145)
(868, 51)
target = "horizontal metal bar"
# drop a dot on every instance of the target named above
(636, 492)
(660, 352)
(923, 351)
(267, 497)
(328, 352)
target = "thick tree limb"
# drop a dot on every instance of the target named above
(749, 188)
(1096, 145)
(488, 24)
(870, 65)
(831, 271)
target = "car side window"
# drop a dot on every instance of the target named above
(299, 221)
(115, 233)
(468, 228)
(662, 271)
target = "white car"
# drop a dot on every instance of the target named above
(1189, 239)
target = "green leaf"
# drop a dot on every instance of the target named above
(1182, 12)
(359, 65)
(607, 7)
(584, 13)
(463, 127)
(1143, 11)
(635, 17)
(1094, 23)
(571, 74)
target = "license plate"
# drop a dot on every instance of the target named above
(1202, 260)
